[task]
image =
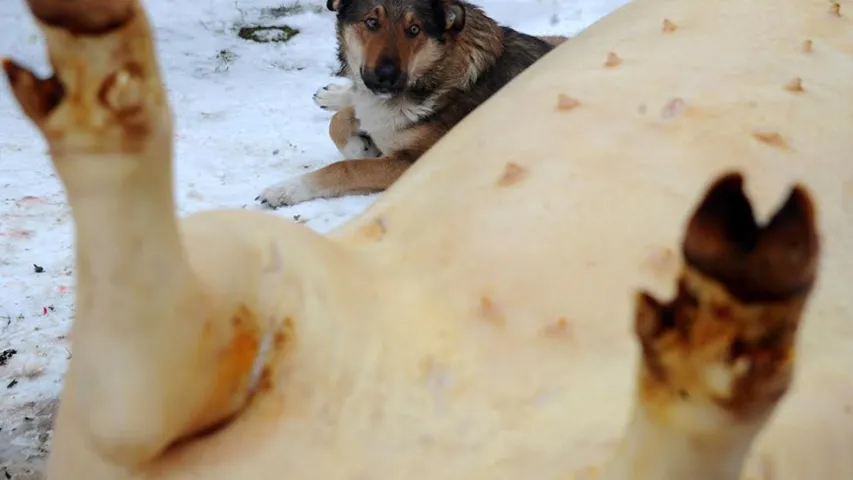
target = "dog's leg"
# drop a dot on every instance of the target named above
(334, 97)
(350, 140)
(347, 177)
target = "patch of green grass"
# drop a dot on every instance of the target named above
(294, 8)
(267, 34)
(288, 10)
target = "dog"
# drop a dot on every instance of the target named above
(416, 68)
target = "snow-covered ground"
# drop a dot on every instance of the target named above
(244, 119)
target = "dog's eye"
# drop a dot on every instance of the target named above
(413, 30)
(371, 23)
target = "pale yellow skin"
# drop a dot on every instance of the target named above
(464, 329)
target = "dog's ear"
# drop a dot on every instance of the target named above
(455, 16)
(334, 5)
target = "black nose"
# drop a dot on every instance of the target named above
(387, 74)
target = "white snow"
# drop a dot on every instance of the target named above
(245, 119)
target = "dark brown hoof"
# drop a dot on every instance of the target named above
(83, 17)
(755, 263)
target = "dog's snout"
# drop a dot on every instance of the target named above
(387, 73)
(385, 77)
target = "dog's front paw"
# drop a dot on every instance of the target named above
(333, 97)
(289, 192)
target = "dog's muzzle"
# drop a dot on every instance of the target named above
(384, 79)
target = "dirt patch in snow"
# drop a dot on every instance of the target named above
(25, 439)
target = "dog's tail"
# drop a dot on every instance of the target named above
(554, 39)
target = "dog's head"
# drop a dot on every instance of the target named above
(389, 44)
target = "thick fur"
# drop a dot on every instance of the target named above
(456, 59)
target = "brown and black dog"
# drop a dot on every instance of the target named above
(417, 68)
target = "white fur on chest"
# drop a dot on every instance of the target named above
(385, 120)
